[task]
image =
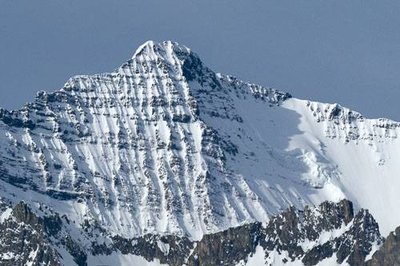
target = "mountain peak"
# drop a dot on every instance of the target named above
(151, 48)
(168, 56)
(163, 146)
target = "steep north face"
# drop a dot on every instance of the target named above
(165, 146)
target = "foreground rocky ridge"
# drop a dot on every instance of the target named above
(308, 236)
(389, 253)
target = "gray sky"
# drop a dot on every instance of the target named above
(331, 51)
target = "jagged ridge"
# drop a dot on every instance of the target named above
(310, 236)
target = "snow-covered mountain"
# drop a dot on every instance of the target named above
(163, 145)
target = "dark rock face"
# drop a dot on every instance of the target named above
(24, 238)
(28, 237)
(12, 119)
(289, 231)
(352, 246)
(227, 247)
(389, 253)
(171, 250)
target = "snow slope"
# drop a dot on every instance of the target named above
(165, 145)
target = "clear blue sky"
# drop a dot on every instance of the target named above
(331, 51)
